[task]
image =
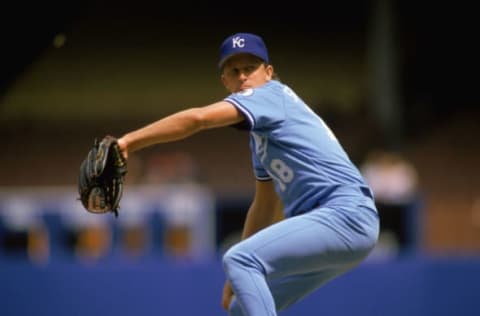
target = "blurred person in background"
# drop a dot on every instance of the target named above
(328, 222)
(23, 232)
(88, 238)
(395, 182)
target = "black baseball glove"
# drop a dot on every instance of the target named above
(102, 173)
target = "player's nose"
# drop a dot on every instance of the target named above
(242, 75)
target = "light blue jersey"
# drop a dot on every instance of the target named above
(293, 146)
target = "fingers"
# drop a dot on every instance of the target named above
(226, 300)
(123, 147)
(227, 295)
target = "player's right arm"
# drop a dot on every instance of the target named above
(181, 125)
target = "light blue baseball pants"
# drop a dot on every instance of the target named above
(283, 263)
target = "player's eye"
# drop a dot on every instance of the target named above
(246, 70)
(250, 68)
(233, 72)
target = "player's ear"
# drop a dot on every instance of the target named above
(224, 81)
(269, 71)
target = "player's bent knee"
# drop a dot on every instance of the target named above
(229, 259)
(234, 257)
(237, 258)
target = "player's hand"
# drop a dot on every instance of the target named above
(123, 147)
(227, 295)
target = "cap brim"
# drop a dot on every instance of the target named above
(224, 59)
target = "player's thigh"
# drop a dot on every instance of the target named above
(303, 244)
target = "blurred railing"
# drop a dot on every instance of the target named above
(49, 222)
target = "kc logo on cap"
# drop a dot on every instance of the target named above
(238, 41)
(243, 43)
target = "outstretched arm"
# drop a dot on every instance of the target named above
(181, 125)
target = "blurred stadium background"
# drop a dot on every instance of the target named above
(390, 77)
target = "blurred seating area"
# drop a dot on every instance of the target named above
(213, 194)
(46, 224)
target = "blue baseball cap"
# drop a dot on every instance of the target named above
(243, 43)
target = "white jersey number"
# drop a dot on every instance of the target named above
(295, 98)
(280, 171)
(283, 173)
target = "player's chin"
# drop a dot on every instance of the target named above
(241, 90)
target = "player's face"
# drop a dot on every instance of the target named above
(244, 71)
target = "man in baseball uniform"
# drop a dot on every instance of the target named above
(330, 223)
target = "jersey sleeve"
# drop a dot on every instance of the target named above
(260, 173)
(262, 107)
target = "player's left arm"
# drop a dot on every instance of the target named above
(181, 125)
(265, 209)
